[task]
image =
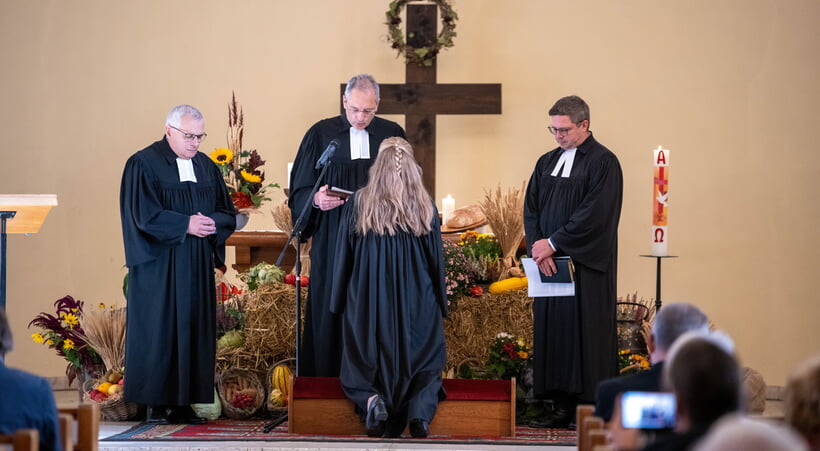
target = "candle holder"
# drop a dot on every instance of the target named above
(659, 258)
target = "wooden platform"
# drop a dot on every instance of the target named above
(476, 408)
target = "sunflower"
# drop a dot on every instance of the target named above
(38, 337)
(68, 344)
(222, 156)
(253, 178)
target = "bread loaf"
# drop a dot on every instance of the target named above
(466, 216)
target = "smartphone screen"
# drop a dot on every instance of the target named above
(648, 410)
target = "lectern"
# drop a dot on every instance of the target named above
(20, 213)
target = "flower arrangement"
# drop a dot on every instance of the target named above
(460, 271)
(483, 250)
(629, 362)
(421, 53)
(64, 333)
(508, 356)
(240, 168)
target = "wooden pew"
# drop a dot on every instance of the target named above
(87, 420)
(22, 440)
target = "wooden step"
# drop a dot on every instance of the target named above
(473, 408)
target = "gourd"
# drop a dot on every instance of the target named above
(512, 283)
(279, 379)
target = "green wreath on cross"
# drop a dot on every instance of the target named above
(423, 56)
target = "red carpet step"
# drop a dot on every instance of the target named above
(473, 408)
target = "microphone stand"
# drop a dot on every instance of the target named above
(296, 232)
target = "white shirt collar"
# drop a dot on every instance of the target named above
(359, 144)
(186, 170)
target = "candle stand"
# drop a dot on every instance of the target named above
(659, 258)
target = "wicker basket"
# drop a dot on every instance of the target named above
(233, 380)
(269, 386)
(112, 409)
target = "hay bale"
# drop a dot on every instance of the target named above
(270, 328)
(474, 323)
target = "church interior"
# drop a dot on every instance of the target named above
(728, 87)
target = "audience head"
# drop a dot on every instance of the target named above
(802, 405)
(6, 341)
(702, 372)
(737, 432)
(672, 321)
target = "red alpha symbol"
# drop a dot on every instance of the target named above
(659, 235)
(661, 157)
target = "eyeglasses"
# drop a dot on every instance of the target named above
(559, 131)
(190, 136)
(367, 112)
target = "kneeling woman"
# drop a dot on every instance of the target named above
(388, 285)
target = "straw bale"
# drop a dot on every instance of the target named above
(474, 323)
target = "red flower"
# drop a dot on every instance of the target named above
(476, 291)
(242, 200)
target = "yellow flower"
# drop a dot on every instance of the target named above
(253, 178)
(222, 156)
(71, 320)
(39, 338)
(102, 305)
(68, 344)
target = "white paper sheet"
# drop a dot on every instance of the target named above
(538, 289)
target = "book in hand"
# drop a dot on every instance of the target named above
(565, 274)
(338, 192)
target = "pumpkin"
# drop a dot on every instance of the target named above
(512, 283)
(279, 379)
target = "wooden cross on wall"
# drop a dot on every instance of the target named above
(420, 99)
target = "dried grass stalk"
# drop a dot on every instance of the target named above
(105, 332)
(282, 220)
(504, 212)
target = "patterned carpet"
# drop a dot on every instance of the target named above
(252, 430)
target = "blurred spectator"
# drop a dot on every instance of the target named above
(736, 432)
(802, 406)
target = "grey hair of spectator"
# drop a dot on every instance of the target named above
(362, 82)
(6, 342)
(174, 117)
(739, 432)
(673, 320)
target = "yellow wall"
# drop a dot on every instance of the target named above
(731, 87)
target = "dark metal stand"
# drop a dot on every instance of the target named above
(658, 302)
(4, 215)
(298, 227)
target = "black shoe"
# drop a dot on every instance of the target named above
(560, 419)
(185, 415)
(157, 415)
(419, 428)
(376, 419)
(394, 428)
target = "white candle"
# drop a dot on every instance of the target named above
(660, 201)
(448, 206)
(290, 168)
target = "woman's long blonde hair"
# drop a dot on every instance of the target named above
(394, 197)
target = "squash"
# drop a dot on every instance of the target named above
(279, 379)
(512, 283)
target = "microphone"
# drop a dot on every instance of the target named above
(328, 153)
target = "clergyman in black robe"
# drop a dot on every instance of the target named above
(572, 207)
(359, 133)
(388, 285)
(176, 215)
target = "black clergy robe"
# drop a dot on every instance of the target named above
(170, 347)
(391, 293)
(320, 351)
(575, 339)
